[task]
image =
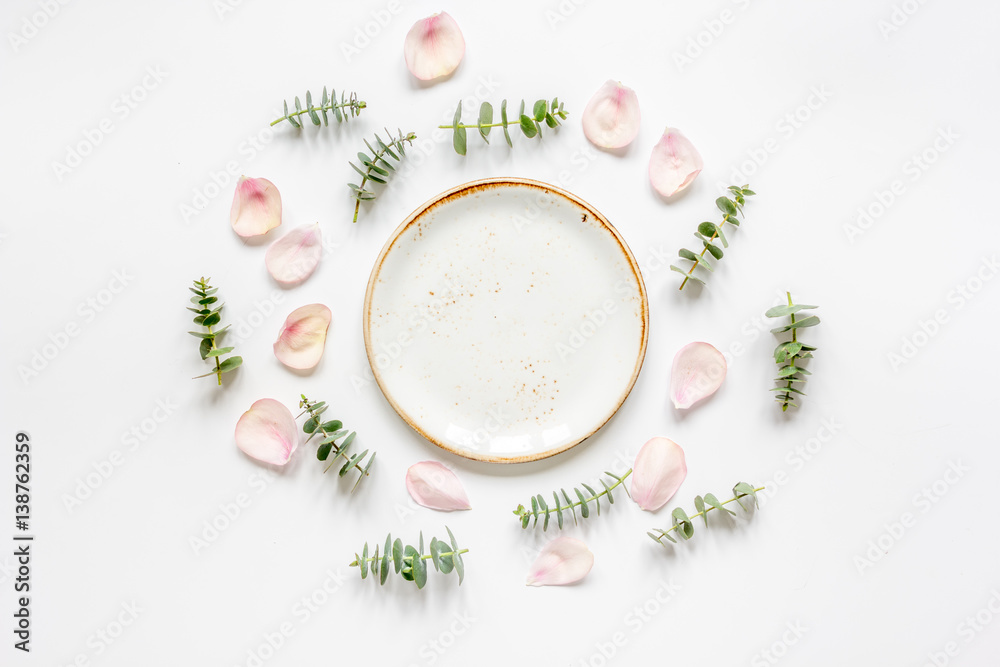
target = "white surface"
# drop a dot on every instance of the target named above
(506, 322)
(876, 103)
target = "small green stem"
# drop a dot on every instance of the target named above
(408, 560)
(705, 511)
(336, 448)
(715, 235)
(791, 362)
(378, 156)
(576, 503)
(353, 103)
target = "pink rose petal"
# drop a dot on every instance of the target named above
(657, 473)
(697, 372)
(611, 118)
(434, 47)
(267, 432)
(562, 561)
(433, 485)
(256, 207)
(303, 337)
(292, 258)
(674, 164)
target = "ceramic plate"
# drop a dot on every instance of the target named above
(506, 320)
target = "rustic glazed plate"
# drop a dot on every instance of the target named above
(506, 320)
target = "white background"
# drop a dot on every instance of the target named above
(878, 100)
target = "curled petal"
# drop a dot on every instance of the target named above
(256, 207)
(292, 258)
(434, 47)
(697, 372)
(433, 485)
(657, 473)
(562, 561)
(267, 432)
(611, 119)
(303, 337)
(674, 164)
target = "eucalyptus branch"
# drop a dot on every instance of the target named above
(208, 315)
(683, 525)
(788, 353)
(546, 112)
(708, 232)
(330, 432)
(411, 562)
(376, 166)
(347, 108)
(540, 508)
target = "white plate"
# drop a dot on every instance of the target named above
(506, 320)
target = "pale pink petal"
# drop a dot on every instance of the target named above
(611, 118)
(697, 372)
(434, 47)
(256, 207)
(292, 258)
(562, 561)
(674, 164)
(267, 432)
(657, 473)
(303, 337)
(433, 485)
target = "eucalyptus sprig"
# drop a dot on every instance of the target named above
(330, 432)
(789, 352)
(543, 111)
(376, 166)
(411, 562)
(344, 110)
(708, 232)
(208, 315)
(683, 525)
(541, 508)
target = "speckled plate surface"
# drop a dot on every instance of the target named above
(506, 320)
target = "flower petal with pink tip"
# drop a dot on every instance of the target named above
(303, 337)
(293, 258)
(697, 372)
(657, 473)
(674, 164)
(611, 118)
(256, 207)
(433, 485)
(267, 432)
(564, 560)
(434, 47)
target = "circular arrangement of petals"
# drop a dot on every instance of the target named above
(658, 472)
(256, 207)
(611, 118)
(302, 339)
(434, 47)
(674, 164)
(564, 560)
(697, 372)
(293, 258)
(267, 432)
(433, 485)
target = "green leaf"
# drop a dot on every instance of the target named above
(714, 502)
(198, 334)
(397, 554)
(436, 552)
(386, 557)
(713, 250)
(528, 127)
(211, 320)
(709, 229)
(541, 107)
(323, 451)
(687, 254)
(231, 364)
(312, 111)
(205, 347)
(683, 523)
(458, 136)
(781, 311)
(310, 425)
(485, 119)
(551, 121)
(699, 504)
(503, 119)
(689, 276)
(726, 205)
